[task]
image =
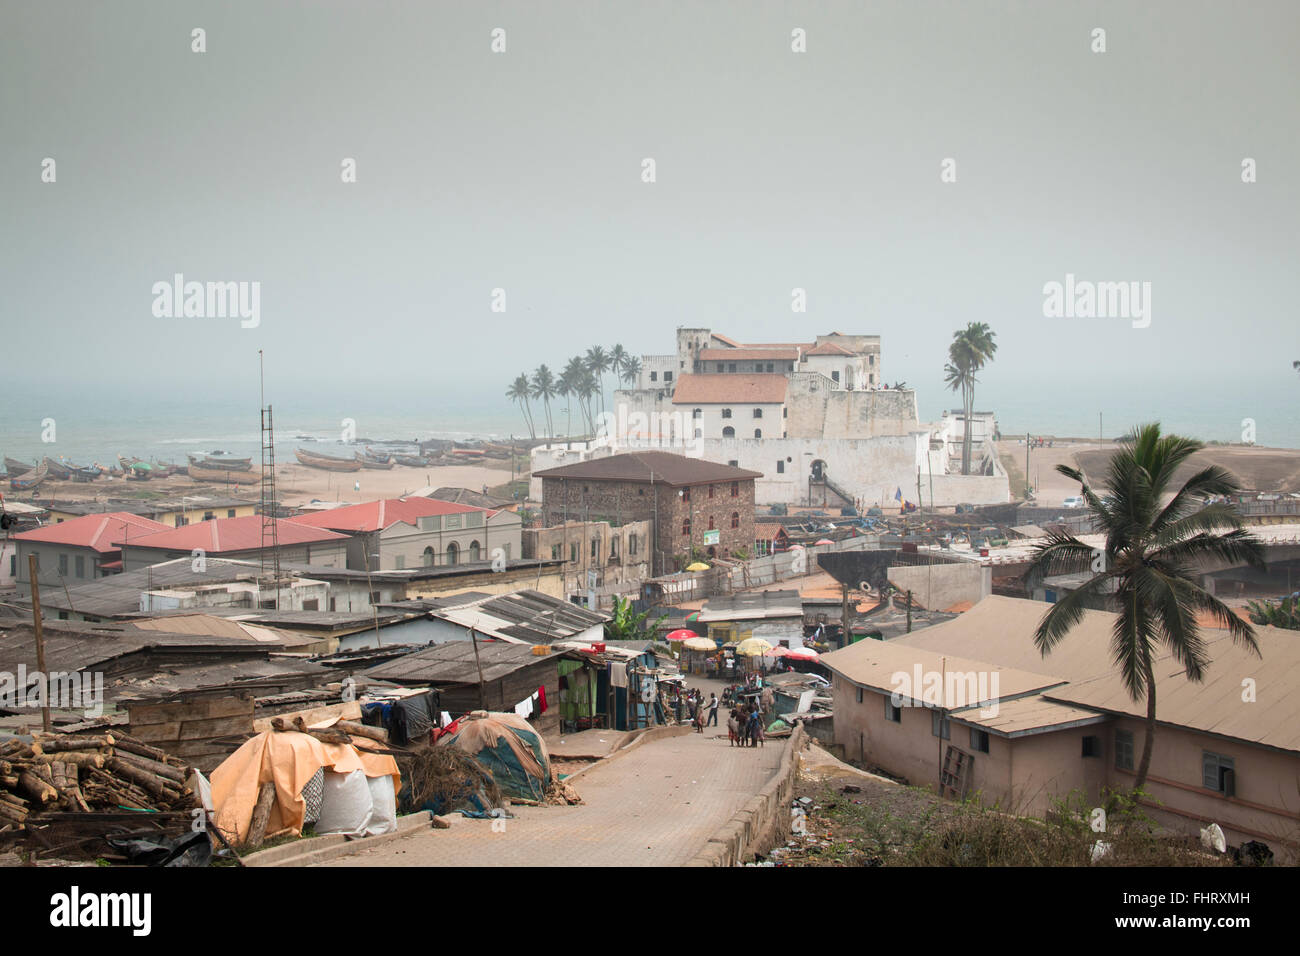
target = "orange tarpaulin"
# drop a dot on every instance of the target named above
(290, 760)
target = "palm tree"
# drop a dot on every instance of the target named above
(971, 349)
(597, 362)
(1284, 613)
(618, 357)
(543, 387)
(631, 369)
(1149, 564)
(570, 385)
(587, 388)
(518, 392)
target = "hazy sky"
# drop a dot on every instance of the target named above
(775, 170)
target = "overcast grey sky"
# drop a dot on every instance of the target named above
(522, 170)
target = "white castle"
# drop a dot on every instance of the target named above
(815, 418)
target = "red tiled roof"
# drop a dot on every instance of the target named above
(377, 515)
(233, 534)
(767, 530)
(766, 388)
(829, 348)
(102, 532)
(749, 353)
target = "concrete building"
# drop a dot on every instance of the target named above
(980, 710)
(595, 554)
(173, 512)
(694, 507)
(238, 538)
(815, 418)
(77, 549)
(412, 532)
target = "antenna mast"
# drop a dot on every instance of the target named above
(270, 553)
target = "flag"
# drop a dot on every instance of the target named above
(898, 495)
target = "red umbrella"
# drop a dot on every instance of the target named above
(803, 654)
(824, 541)
(681, 634)
(778, 652)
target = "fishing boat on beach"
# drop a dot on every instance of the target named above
(84, 474)
(327, 462)
(409, 461)
(369, 460)
(29, 480)
(14, 467)
(134, 469)
(57, 470)
(204, 473)
(224, 464)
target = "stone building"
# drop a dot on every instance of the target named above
(694, 507)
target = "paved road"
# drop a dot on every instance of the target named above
(655, 806)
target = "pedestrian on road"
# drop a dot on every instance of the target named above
(733, 728)
(713, 710)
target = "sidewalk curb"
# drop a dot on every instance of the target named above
(331, 845)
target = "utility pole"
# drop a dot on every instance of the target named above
(482, 693)
(1026, 466)
(40, 641)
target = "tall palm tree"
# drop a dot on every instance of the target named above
(971, 349)
(570, 385)
(597, 362)
(587, 389)
(618, 356)
(519, 393)
(543, 387)
(631, 369)
(1150, 562)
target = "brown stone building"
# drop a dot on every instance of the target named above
(693, 506)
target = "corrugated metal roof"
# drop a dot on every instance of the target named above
(522, 617)
(1029, 715)
(376, 515)
(454, 663)
(101, 532)
(233, 534)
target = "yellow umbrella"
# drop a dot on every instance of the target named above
(697, 566)
(753, 647)
(699, 644)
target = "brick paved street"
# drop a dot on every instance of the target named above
(655, 806)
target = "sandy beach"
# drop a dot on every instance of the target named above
(296, 484)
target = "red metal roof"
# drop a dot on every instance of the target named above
(102, 532)
(232, 534)
(377, 515)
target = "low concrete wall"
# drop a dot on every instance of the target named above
(940, 586)
(763, 821)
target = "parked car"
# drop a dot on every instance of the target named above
(1074, 501)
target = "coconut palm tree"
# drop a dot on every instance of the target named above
(631, 369)
(570, 385)
(617, 357)
(1148, 566)
(971, 349)
(597, 362)
(543, 387)
(518, 392)
(587, 389)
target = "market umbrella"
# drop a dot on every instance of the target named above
(699, 644)
(753, 647)
(681, 634)
(693, 616)
(803, 654)
(778, 652)
(697, 566)
(824, 541)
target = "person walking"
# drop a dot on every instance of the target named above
(713, 710)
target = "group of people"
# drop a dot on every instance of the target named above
(745, 726)
(702, 712)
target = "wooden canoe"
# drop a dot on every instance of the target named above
(203, 473)
(327, 463)
(226, 464)
(31, 479)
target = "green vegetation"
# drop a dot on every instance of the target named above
(628, 625)
(1149, 562)
(1284, 613)
(583, 378)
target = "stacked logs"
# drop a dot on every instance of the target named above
(86, 773)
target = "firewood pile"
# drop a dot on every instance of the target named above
(88, 773)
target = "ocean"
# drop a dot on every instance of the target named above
(99, 423)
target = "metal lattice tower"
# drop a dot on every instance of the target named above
(270, 524)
